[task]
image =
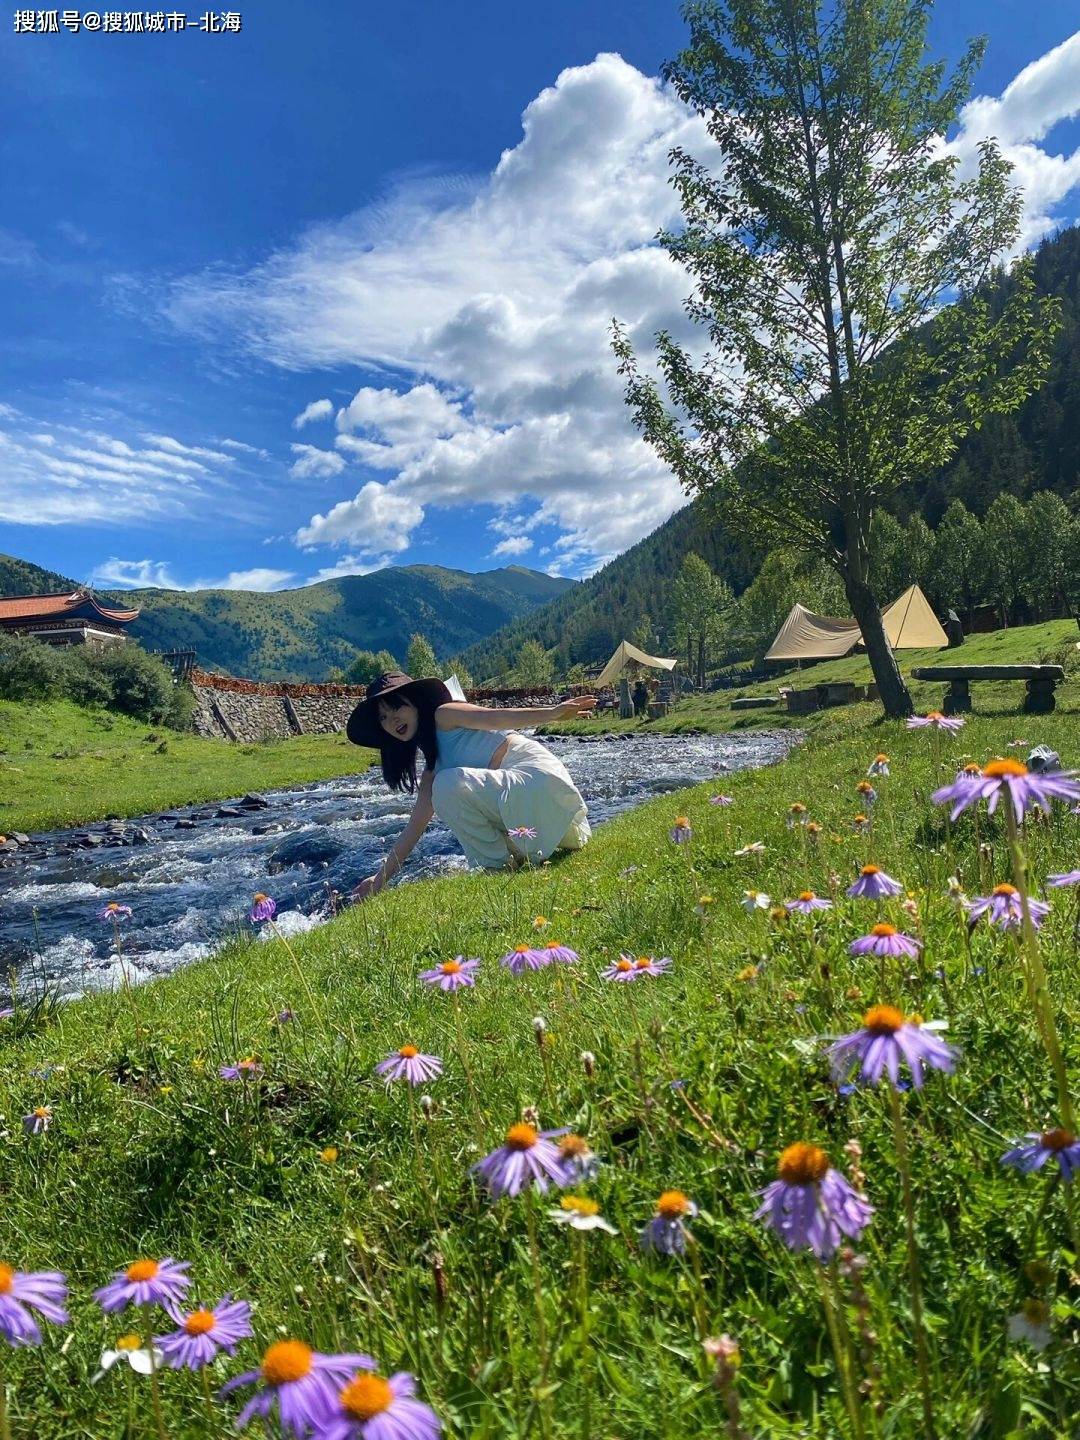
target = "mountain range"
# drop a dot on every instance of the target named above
(305, 633)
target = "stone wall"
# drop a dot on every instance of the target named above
(245, 710)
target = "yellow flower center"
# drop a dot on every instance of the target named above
(797, 808)
(42, 1112)
(934, 715)
(573, 1146)
(366, 1396)
(7, 1279)
(972, 769)
(864, 787)
(672, 1204)
(540, 921)
(451, 967)
(129, 1342)
(802, 1164)
(329, 1155)
(286, 1361)
(142, 1270)
(682, 821)
(883, 1019)
(1057, 1139)
(579, 1205)
(521, 1137)
(521, 949)
(642, 962)
(624, 965)
(870, 870)
(881, 759)
(998, 769)
(883, 929)
(1005, 889)
(807, 895)
(860, 819)
(1035, 1312)
(408, 1052)
(260, 897)
(248, 1063)
(813, 827)
(199, 1322)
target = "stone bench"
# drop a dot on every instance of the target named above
(1041, 680)
(754, 702)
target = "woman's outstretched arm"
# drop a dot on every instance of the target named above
(399, 852)
(456, 714)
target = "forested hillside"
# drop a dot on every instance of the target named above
(1036, 449)
(305, 633)
(22, 577)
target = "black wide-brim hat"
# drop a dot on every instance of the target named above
(364, 728)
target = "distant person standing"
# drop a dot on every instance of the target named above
(641, 697)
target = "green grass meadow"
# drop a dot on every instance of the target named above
(63, 765)
(516, 1325)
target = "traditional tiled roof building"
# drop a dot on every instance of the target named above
(76, 618)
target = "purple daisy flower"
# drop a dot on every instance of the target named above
(1056, 882)
(262, 908)
(721, 800)
(452, 974)
(652, 966)
(886, 1040)
(886, 940)
(300, 1382)
(622, 969)
(796, 815)
(874, 884)
(146, 1282)
(247, 1069)
(1003, 908)
(806, 903)
(1022, 788)
(879, 765)
(936, 720)
(868, 793)
(24, 1290)
(666, 1232)
(810, 1205)
(371, 1408)
(38, 1120)
(408, 1064)
(527, 1157)
(681, 831)
(524, 957)
(1060, 1145)
(582, 1162)
(204, 1333)
(522, 832)
(114, 911)
(563, 953)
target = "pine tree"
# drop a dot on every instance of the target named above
(420, 659)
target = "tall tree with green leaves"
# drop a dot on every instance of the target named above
(1047, 538)
(834, 230)
(701, 609)
(420, 659)
(534, 666)
(959, 573)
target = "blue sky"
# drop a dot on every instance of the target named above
(333, 292)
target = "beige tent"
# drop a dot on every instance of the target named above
(629, 659)
(909, 623)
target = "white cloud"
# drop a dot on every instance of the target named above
(490, 303)
(76, 475)
(378, 521)
(349, 565)
(317, 410)
(118, 574)
(312, 463)
(513, 545)
(1044, 93)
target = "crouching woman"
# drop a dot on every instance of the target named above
(505, 796)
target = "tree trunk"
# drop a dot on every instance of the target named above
(895, 696)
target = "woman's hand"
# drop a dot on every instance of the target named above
(371, 886)
(576, 708)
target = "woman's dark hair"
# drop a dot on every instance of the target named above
(399, 756)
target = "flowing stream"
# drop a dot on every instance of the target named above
(189, 874)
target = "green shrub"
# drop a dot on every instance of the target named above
(30, 670)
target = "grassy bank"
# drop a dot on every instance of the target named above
(1053, 642)
(698, 1079)
(62, 765)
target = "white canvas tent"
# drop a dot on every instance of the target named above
(628, 659)
(909, 623)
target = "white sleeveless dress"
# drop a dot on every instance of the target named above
(531, 789)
